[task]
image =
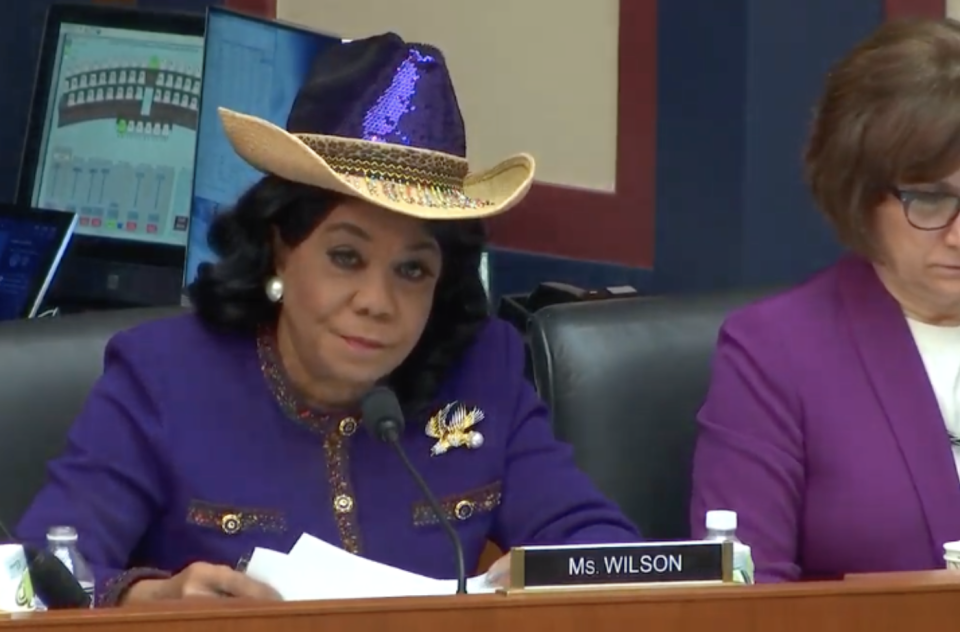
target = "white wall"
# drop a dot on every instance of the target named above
(531, 75)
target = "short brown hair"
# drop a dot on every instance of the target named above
(889, 115)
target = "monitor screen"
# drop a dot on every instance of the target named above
(31, 248)
(119, 133)
(252, 66)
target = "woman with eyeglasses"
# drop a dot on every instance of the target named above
(832, 421)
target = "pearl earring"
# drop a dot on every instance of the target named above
(274, 289)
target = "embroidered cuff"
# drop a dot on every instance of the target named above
(118, 586)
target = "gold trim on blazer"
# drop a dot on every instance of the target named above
(233, 520)
(460, 507)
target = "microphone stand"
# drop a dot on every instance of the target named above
(390, 433)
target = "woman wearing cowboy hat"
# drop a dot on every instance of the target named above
(352, 263)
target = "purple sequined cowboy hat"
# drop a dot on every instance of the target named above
(378, 119)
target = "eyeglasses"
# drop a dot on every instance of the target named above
(929, 210)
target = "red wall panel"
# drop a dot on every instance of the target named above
(616, 227)
(585, 224)
(266, 8)
(920, 8)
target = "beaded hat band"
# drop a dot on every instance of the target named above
(418, 182)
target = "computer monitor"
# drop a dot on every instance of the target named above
(32, 244)
(250, 65)
(112, 137)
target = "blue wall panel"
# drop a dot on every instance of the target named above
(737, 83)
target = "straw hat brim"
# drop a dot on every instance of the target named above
(271, 149)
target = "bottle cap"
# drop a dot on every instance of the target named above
(721, 520)
(61, 534)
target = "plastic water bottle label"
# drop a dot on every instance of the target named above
(742, 563)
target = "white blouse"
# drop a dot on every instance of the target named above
(940, 349)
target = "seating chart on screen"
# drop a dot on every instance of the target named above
(121, 142)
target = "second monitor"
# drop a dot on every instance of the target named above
(254, 66)
(112, 137)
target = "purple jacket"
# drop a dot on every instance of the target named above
(822, 432)
(192, 447)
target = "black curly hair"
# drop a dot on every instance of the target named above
(229, 294)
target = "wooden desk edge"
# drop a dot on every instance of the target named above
(915, 577)
(888, 583)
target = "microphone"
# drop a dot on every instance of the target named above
(383, 418)
(52, 581)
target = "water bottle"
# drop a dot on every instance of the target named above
(62, 542)
(722, 527)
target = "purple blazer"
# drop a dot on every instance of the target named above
(192, 446)
(822, 432)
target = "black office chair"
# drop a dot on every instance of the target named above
(624, 380)
(47, 367)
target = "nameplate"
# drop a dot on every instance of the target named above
(621, 564)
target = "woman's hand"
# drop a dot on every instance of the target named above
(200, 580)
(499, 572)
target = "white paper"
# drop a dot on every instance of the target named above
(314, 569)
(279, 571)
